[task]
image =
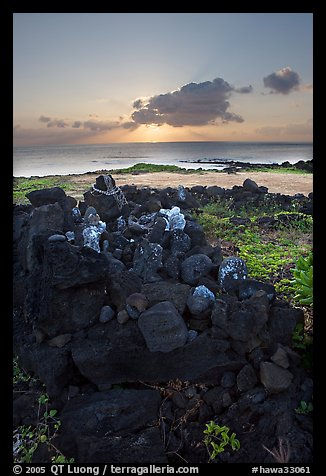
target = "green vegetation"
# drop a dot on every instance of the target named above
(304, 408)
(269, 252)
(303, 344)
(22, 186)
(217, 438)
(303, 280)
(142, 167)
(279, 170)
(27, 439)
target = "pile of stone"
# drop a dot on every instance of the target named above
(123, 290)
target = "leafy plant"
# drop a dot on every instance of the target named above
(303, 280)
(217, 438)
(19, 374)
(26, 439)
(304, 408)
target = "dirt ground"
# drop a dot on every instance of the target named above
(288, 184)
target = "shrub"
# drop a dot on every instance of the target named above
(303, 280)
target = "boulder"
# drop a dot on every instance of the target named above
(274, 378)
(120, 285)
(147, 261)
(248, 287)
(246, 378)
(250, 186)
(230, 271)
(282, 322)
(163, 327)
(105, 205)
(120, 423)
(46, 196)
(194, 267)
(177, 293)
(114, 353)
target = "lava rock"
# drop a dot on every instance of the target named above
(107, 314)
(194, 267)
(46, 196)
(119, 423)
(230, 271)
(248, 287)
(177, 293)
(163, 328)
(147, 260)
(246, 378)
(274, 378)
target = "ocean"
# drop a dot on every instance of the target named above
(77, 159)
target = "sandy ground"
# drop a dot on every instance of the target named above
(288, 184)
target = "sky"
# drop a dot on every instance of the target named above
(94, 78)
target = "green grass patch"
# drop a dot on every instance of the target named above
(270, 254)
(279, 170)
(142, 167)
(23, 185)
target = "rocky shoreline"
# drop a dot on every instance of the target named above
(233, 166)
(143, 333)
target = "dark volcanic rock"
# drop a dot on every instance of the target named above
(194, 267)
(177, 293)
(46, 196)
(116, 354)
(196, 233)
(147, 261)
(65, 292)
(121, 285)
(242, 321)
(120, 425)
(45, 220)
(248, 287)
(163, 327)
(106, 206)
(274, 378)
(251, 186)
(246, 378)
(52, 365)
(137, 314)
(282, 322)
(230, 271)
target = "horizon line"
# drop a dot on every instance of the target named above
(167, 142)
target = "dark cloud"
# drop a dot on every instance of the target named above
(100, 126)
(77, 124)
(195, 104)
(245, 89)
(283, 81)
(44, 119)
(57, 123)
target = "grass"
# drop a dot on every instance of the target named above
(143, 168)
(270, 253)
(23, 185)
(278, 170)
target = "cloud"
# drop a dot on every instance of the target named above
(57, 123)
(195, 104)
(283, 81)
(77, 124)
(245, 89)
(44, 119)
(60, 123)
(100, 126)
